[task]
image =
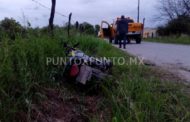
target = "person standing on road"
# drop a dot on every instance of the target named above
(122, 30)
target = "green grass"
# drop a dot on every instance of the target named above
(22, 67)
(171, 39)
(136, 98)
(130, 93)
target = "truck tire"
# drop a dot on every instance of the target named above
(110, 40)
(116, 41)
(128, 41)
(138, 40)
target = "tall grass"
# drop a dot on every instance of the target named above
(130, 94)
(136, 96)
(22, 66)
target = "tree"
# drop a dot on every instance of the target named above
(177, 14)
(171, 9)
(52, 15)
(187, 5)
(177, 26)
(87, 28)
(97, 29)
(11, 27)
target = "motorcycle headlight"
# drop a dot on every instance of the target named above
(72, 53)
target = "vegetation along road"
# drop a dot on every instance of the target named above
(175, 58)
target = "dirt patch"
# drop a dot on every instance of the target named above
(54, 106)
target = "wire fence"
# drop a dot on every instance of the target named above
(56, 12)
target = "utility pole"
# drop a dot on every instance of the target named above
(138, 14)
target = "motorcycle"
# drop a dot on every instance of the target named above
(82, 68)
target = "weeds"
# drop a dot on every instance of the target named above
(129, 94)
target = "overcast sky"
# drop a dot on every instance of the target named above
(92, 11)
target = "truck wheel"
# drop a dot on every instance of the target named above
(116, 41)
(110, 40)
(128, 41)
(138, 40)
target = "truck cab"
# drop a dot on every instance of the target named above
(135, 31)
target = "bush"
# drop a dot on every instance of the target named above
(87, 28)
(11, 27)
(178, 26)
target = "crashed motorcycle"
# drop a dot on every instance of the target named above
(82, 68)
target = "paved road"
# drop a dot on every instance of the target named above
(170, 56)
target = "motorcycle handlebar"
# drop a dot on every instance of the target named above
(68, 48)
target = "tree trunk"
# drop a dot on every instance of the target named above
(52, 15)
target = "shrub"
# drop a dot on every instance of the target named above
(87, 28)
(178, 26)
(11, 27)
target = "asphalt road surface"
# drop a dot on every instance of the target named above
(173, 57)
